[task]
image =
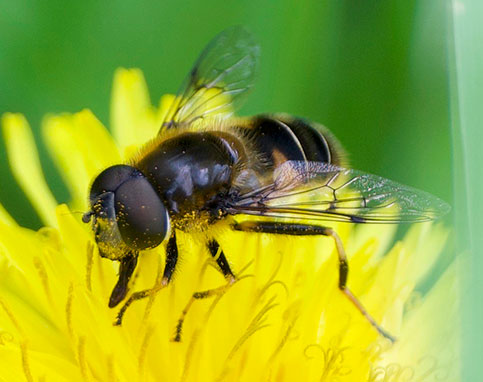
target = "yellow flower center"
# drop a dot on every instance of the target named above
(285, 318)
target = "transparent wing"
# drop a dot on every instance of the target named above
(218, 81)
(320, 191)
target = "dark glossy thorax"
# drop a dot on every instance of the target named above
(190, 171)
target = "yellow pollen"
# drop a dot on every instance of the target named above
(90, 257)
(144, 347)
(397, 373)
(55, 288)
(43, 277)
(68, 310)
(5, 337)
(333, 361)
(12, 318)
(81, 355)
(190, 354)
(110, 369)
(25, 361)
(258, 323)
(280, 346)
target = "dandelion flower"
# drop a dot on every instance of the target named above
(285, 320)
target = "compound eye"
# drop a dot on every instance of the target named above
(142, 219)
(110, 179)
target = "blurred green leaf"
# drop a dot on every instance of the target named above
(374, 72)
(467, 92)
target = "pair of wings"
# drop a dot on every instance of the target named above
(216, 85)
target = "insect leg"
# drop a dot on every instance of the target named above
(312, 230)
(220, 258)
(222, 262)
(126, 269)
(171, 259)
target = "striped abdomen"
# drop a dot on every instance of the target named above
(280, 137)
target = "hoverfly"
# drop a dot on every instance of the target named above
(206, 167)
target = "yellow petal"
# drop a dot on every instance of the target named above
(133, 119)
(25, 165)
(284, 320)
(165, 104)
(429, 349)
(5, 217)
(81, 148)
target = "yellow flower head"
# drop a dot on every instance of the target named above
(284, 320)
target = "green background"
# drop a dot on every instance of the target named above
(399, 82)
(374, 72)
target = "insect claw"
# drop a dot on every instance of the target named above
(86, 218)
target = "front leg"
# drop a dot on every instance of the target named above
(314, 230)
(171, 260)
(126, 269)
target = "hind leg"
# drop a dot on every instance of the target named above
(313, 230)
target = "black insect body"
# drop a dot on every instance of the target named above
(206, 167)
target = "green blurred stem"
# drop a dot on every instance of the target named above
(466, 50)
